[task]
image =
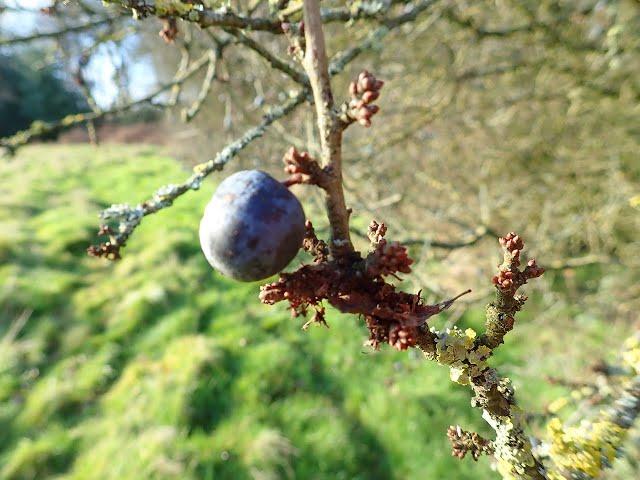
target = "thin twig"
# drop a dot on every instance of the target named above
(467, 357)
(277, 63)
(39, 130)
(209, 17)
(375, 37)
(185, 58)
(59, 33)
(189, 114)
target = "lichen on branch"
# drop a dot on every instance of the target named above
(466, 356)
(586, 450)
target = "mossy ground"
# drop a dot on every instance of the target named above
(157, 367)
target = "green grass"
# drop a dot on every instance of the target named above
(157, 367)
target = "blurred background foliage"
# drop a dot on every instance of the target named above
(33, 89)
(495, 116)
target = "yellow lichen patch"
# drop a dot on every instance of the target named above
(201, 167)
(455, 348)
(505, 469)
(453, 345)
(172, 7)
(631, 356)
(591, 446)
(587, 448)
(558, 404)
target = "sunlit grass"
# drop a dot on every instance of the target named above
(156, 367)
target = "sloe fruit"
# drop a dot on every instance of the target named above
(252, 227)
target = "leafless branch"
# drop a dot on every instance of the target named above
(60, 33)
(41, 129)
(277, 63)
(329, 126)
(214, 57)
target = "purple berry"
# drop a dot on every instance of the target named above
(252, 227)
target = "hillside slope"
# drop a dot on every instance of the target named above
(156, 367)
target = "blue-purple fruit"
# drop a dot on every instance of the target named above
(252, 227)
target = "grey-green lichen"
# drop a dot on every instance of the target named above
(466, 357)
(513, 451)
(455, 348)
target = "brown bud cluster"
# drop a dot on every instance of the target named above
(512, 244)
(376, 231)
(463, 442)
(317, 248)
(364, 91)
(509, 277)
(107, 250)
(397, 335)
(511, 241)
(169, 30)
(356, 286)
(533, 270)
(504, 279)
(302, 168)
(387, 258)
(402, 337)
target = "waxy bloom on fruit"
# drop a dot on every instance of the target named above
(252, 227)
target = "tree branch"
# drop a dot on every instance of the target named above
(586, 450)
(40, 129)
(183, 65)
(330, 128)
(277, 63)
(480, 233)
(196, 13)
(224, 17)
(466, 356)
(578, 262)
(215, 54)
(412, 12)
(129, 218)
(552, 29)
(61, 32)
